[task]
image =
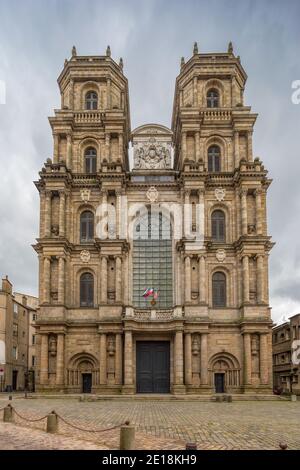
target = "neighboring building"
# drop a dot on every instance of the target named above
(209, 327)
(285, 372)
(15, 327)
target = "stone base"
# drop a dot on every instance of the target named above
(128, 390)
(199, 390)
(179, 389)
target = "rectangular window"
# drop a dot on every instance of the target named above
(34, 317)
(33, 339)
(15, 329)
(15, 310)
(33, 361)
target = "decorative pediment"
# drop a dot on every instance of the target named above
(152, 144)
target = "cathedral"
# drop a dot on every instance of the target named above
(153, 244)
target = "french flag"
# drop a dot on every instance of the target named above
(148, 291)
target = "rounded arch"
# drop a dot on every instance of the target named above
(86, 288)
(87, 225)
(222, 207)
(226, 365)
(87, 87)
(219, 289)
(215, 84)
(79, 365)
(217, 140)
(86, 143)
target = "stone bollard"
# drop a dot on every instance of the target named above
(191, 446)
(293, 397)
(8, 414)
(52, 422)
(127, 437)
(283, 445)
(229, 398)
(219, 398)
(10, 397)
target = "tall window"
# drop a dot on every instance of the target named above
(86, 290)
(218, 226)
(86, 226)
(91, 100)
(219, 290)
(90, 157)
(214, 157)
(212, 98)
(152, 260)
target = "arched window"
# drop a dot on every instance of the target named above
(218, 226)
(90, 157)
(91, 100)
(86, 290)
(214, 157)
(219, 290)
(152, 260)
(212, 98)
(86, 226)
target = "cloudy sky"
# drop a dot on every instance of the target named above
(151, 36)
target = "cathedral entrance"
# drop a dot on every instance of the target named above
(86, 383)
(153, 367)
(220, 383)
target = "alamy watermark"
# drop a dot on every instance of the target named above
(296, 352)
(296, 94)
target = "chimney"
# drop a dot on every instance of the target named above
(6, 285)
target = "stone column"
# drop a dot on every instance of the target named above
(247, 359)
(244, 211)
(183, 145)
(197, 145)
(245, 262)
(47, 214)
(187, 263)
(128, 380)
(118, 373)
(69, 151)
(44, 360)
(188, 358)
(263, 358)
(62, 213)
(201, 214)
(249, 146)
(61, 280)
(118, 279)
(203, 359)
(187, 214)
(125, 280)
(55, 147)
(118, 212)
(195, 91)
(260, 278)
(258, 211)
(178, 287)
(202, 283)
(47, 278)
(108, 93)
(237, 148)
(121, 146)
(104, 279)
(178, 358)
(42, 214)
(107, 146)
(71, 94)
(60, 359)
(103, 364)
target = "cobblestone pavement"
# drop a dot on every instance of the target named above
(169, 425)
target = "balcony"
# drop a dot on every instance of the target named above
(216, 115)
(88, 117)
(147, 315)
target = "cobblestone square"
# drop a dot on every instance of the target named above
(159, 424)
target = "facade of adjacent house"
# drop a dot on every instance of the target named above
(17, 317)
(153, 277)
(286, 343)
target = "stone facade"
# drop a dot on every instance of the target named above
(17, 318)
(285, 372)
(217, 329)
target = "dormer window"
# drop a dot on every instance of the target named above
(212, 98)
(91, 100)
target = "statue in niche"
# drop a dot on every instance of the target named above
(152, 156)
(52, 354)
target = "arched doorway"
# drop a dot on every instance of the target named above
(224, 372)
(83, 373)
